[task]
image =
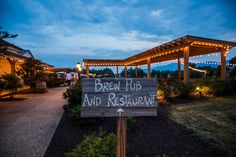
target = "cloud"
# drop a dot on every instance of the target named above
(112, 29)
(157, 13)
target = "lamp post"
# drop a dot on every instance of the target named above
(79, 69)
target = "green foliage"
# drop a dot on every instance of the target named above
(95, 145)
(11, 82)
(233, 60)
(1, 84)
(74, 114)
(130, 123)
(184, 90)
(223, 87)
(32, 71)
(164, 74)
(53, 81)
(131, 72)
(73, 94)
(103, 71)
(165, 89)
(6, 34)
(232, 72)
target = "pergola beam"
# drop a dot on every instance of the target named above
(183, 47)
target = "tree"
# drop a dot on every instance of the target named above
(32, 71)
(3, 35)
(11, 82)
(103, 71)
(131, 72)
(233, 60)
(233, 70)
(6, 34)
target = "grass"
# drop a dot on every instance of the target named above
(213, 120)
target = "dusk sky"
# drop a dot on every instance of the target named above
(62, 32)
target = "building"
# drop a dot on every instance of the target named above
(12, 56)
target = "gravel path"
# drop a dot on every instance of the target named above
(27, 125)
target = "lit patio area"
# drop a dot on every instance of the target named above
(179, 49)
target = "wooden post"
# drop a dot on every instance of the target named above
(12, 63)
(125, 71)
(87, 71)
(223, 64)
(121, 137)
(117, 73)
(186, 64)
(136, 71)
(148, 68)
(179, 68)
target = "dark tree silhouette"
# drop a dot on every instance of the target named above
(233, 60)
(32, 71)
(6, 34)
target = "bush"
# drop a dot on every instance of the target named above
(1, 86)
(165, 89)
(130, 123)
(184, 90)
(175, 88)
(95, 145)
(223, 87)
(32, 71)
(73, 94)
(11, 82)
(74, 114)
(53, 81)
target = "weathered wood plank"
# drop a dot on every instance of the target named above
(112, 112)
(119, 99)
(101, 97)
(118, 84)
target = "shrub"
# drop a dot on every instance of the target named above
(74, 114)
(53, 81)
(95, 145)
(165, 88)
(1, 86)
(184, 90)
(130, 123)
(223, 87)
(73, 94)
(11, 82)
(32, 70)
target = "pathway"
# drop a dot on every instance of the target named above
(27, 126)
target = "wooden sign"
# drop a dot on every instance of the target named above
(102, 97)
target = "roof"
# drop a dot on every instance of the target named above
(27, 53)
(13, 51)
(169, 51)
(47, 65)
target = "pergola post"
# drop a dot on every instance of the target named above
(117, 72)
(87, 71)
(125, 70)
(13, 65)
(223, 64)
(136, 71)
(186, 64)
(179, 68)
(148, 68)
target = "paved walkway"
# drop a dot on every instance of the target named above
(27, 126)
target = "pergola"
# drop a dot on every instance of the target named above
(184, 47)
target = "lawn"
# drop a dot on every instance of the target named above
(213, 120)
